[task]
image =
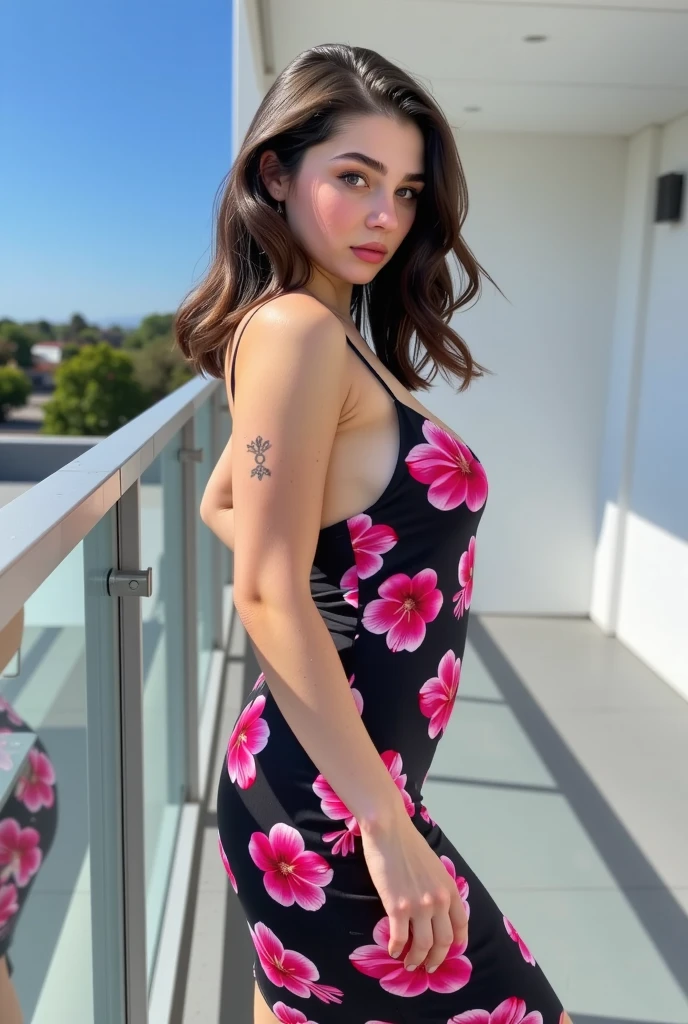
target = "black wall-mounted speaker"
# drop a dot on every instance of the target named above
(669, 197)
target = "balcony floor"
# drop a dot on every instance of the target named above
(562, 779)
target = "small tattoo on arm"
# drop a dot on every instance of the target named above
(258, 447)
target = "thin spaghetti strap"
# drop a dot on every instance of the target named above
(373, 370)
(236, 346)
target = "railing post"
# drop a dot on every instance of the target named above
(190, 611)
(106, 799)
(218, 552)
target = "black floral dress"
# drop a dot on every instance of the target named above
(394, 586)
(28, 821)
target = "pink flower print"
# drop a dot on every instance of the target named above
(437, 696)
(404, 606)
(374, 961)
(19, 851)
(333, 807)
(35, 789)
(464, 596)
(6, 761)
(259, 680)
(513, 934)
(461, 883)
(349, 585)
(288, 969)
(288, 1015)
(292, 873)
(511, 1011)
(8, 903)
(425, 814)
(369, 543)
(12, 715)
(356, 694)
(451, 469)
(223, 856)
(249, 736)
(393, 764)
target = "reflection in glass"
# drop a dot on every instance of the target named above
(45, 901)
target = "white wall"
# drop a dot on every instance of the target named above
(545, 220)
(641, 579)
(247, 83)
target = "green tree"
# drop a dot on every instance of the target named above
(7, 350)
(160, 368)
(69, 349)
(76, 325)
(15, 388)
(45, 329)
(22, 339)
(157, 325)
(95, 393)
(40, 330)
(89, 336)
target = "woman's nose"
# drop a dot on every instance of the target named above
(383, 214)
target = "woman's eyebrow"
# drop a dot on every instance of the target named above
(375, 165)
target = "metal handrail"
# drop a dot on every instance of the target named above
(40, 527)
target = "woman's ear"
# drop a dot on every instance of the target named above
(11, 638)
(271, 174)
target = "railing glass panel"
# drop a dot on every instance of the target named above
(163, 678)
(59, 828)
(207, 551)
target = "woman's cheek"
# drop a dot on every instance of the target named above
(335, 211)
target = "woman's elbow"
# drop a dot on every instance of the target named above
(206, 511)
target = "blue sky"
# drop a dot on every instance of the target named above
(115, 134)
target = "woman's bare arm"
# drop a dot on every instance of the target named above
(290, 387)
(217, 504)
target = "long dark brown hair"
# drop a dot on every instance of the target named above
(256, 256)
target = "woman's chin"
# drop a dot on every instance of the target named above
(362, 274)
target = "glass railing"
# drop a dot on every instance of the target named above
(122, 590)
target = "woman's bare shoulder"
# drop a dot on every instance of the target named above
(295, 314)
(290, 309)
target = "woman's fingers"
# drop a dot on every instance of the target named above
(398, 930)
(459, 919)
(421, 927)
(433, 934)
(443, 937)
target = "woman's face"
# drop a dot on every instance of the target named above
(338, 203)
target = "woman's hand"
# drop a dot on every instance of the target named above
(418, 893)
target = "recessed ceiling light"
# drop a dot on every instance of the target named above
(472, 110)
(535, 39)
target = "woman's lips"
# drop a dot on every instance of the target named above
(368, 255)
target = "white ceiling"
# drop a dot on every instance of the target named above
(606, 68)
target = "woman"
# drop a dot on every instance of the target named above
(28, 820)
(345, 199)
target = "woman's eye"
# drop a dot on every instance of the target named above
(355, 174)
(351, 174)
